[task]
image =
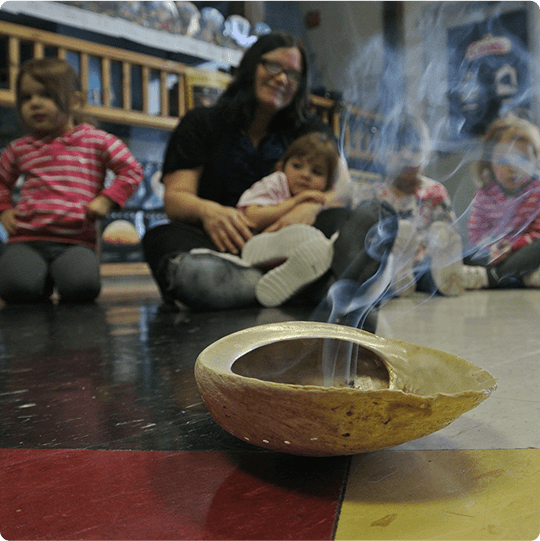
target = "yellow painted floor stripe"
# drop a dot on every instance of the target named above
(445, 494)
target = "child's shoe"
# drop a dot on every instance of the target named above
(446, 250)
(532, 279)
(404, 252)
(474, 277)
(306, 263)
(267, 250)
(456, 278)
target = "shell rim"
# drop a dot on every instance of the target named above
(306, 329)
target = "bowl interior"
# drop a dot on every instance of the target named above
(327, 362)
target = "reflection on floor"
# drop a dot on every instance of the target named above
(104, 434)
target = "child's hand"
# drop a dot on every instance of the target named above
(420, 253)
(8, 219)
(332, 199)
(313, 196)
(306, 213)
(99, 207)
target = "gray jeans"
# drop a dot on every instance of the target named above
(511, 271)
(29, 272)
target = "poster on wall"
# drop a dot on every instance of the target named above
(488, 72)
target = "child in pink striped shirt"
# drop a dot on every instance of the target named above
(51, 227)
(504, 222)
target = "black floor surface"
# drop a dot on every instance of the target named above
(117, 374)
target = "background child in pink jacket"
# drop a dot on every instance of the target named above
(504, 222)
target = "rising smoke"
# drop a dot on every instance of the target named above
(472, 64)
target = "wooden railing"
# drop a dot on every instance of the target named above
(157, 85)
(125, 87)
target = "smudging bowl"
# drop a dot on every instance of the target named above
(291, 387)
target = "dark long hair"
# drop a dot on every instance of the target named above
(239, 102)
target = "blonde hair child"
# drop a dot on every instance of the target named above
(505, 214)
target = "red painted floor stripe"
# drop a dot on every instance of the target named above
(82, 494)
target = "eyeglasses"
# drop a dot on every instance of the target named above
(275, 68)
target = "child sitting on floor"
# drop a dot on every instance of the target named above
(427, 250)
(297, 254)
(504, 222)
(52, 226)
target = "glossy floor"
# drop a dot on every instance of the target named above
(104, 434)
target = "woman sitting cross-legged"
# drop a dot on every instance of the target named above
(217, 153)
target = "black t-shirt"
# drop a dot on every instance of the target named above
(230, 162)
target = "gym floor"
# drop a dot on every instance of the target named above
(105, 436)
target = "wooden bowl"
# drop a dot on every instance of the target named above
(268, 385)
